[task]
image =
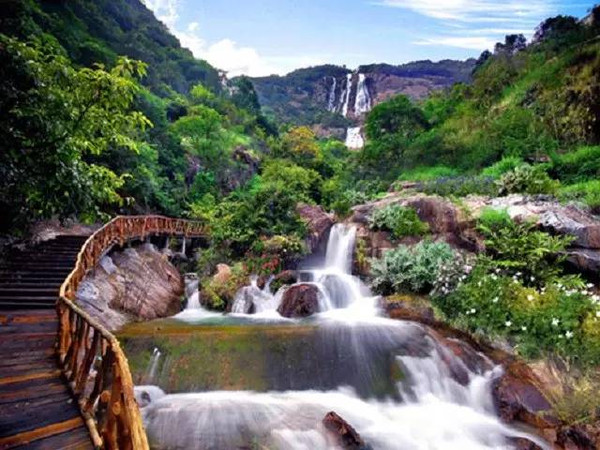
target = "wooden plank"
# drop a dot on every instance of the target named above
(77, 439)
(30, 376)
(40, 433)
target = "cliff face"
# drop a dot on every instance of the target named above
(334, 100)
(336, 97)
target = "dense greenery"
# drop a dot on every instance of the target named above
(399, 220)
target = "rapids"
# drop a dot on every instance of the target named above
(391, 380)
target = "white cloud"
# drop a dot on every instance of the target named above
(473, 43)
(476, 10)
(225, 54)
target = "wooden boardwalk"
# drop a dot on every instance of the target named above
(37, 410)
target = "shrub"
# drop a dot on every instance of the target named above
(217, 294)
(518, 250)
(428, 173)
(413, 269)
(503, 166)
(399, 220)
(578, 166)
(527, 179)
(460, 186)
(587, 192)
(493, 219)
(549, 319)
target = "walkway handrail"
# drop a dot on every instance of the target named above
(91, 357)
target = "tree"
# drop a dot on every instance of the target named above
(54, 119)
(513, 43)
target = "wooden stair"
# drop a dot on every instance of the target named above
(37, 410)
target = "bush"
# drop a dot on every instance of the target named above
(503, 166)
(527, 179)
(460, 186)
(217, 294)
(549, 319)
(399, 220)
(587, 192)
(518, 250)
(428, 173)
(412, 269)
(578, 166)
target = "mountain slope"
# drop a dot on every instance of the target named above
(331, 98)
(99, 31)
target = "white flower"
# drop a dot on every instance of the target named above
(523, 328)
(518, 274)
(555, 322)
(590, 285)
(532, 278)
(473, 310)
(530, 297)
(508, 323)
(569, 334)
(495, 300)
(598, 314)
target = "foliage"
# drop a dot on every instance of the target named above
(578, 166)
(518, 249)
(460, 186)
(399, 220)
(527, 179)
(506, 164)
(428, 173)
(548, 319)
(587, 192)
(55, 120)
(218, 294)
(412, 269)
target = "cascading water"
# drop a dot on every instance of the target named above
(354, 139)
(348, 93)
(362, 105)
(331, 97)
(153, 366)
(394, 381)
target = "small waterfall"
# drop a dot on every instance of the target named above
(348, 92)
(331, 98)
(354, 139)
(340, 248)
(183, 247)
(362, 104)
(152, 366)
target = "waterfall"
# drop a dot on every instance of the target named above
(183, 247)
(331, 98)
(152, 366)
(437, 400)
(348, 92)
(354, 139)
(362, 104)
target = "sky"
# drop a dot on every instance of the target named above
(263, 37)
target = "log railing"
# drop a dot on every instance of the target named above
(91, 357)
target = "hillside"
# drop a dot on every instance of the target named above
(100, 31)
(332, 98)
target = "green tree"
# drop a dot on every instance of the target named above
(54, 119)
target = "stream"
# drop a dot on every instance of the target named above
(224, 381)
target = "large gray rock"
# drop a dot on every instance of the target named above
(133, 285)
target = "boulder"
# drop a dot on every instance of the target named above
(524, 444)
(300, 300)
(136, 284)
(518, 398)
(579, 437)
(345, 435)
(408, 307)
(318, 223)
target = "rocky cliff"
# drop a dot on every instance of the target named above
(334, 100)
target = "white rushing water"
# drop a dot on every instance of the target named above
(362, 105)
(431, 408)
(354, 139)
(331, 106)
(347, 92)
(153, 366)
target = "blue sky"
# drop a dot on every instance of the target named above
(261, 37)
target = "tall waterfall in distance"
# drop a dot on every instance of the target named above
(348, 92)
(362, 104)
(331, 106)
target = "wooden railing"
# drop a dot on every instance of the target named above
(91, 357)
